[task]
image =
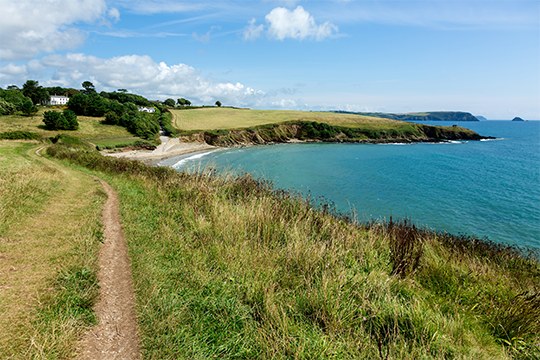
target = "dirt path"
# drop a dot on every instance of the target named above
(117, 334)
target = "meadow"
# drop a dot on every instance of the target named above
(224, 266)
(90, 128)
(230, 118)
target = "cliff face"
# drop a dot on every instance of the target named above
(315, 132)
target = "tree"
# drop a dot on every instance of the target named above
(188, 103)
(14, 96)
(7, 108)
(122, 90)
(28, 108)
(169, 102)
(218, 103)
(55, 120)
(89, 88)
(35, 92)
(181, 101)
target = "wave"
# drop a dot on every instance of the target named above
(190, 158)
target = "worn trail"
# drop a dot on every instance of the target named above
(117, 334)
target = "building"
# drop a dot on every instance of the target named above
(147, 109)
(58, 100)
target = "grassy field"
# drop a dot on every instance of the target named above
(225, 267)
(228, 118)
(89, 127)
(49, 234)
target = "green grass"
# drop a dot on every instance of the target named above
(89, 127)
(228, 118)
(50, 230)
(226, 267)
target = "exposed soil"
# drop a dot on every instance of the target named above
(116, 336)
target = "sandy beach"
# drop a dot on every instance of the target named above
(169, 147)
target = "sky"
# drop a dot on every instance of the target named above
(395, 56)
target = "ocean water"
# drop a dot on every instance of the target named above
(482, 188)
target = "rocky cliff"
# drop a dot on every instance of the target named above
(319, 132)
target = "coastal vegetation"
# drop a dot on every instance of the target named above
(226, 266)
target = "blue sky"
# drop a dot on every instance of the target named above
(389, 56)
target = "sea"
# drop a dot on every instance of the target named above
(487, 189)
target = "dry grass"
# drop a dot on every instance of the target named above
(229, 118)
(49, 227)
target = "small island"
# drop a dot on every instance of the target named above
(517, 118)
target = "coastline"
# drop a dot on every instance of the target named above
(170, 147)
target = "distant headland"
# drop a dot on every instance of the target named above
(423, 116)
(517, 118)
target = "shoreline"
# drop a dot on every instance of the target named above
(170, 147)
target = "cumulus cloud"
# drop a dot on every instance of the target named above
(297, 24)
(32, 27)
(139, 74)
(252, 32)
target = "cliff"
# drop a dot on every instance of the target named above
(319, 132)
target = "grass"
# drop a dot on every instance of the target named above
(228, 267)
(89, 127)
(228, 118)
(49, 235)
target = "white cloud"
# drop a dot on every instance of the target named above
(297, 24)
(32, 27)
(252, 32)
(139, 74)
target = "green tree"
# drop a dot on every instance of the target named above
(181, 101)
(71, 122)
(89, 88)
(122, 90)
(35, 92)
(218, 103)
(55, 120)
(14, 96)
(28, 108)
(169, 102)
(78, 103)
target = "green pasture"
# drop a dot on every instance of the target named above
(229, 118)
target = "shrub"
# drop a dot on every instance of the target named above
(19, 135)
(28, 108)
(55, 120)
(7, 108)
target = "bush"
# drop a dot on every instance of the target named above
(7, 108)
(55, 120)
(19, 135)
(28, 108)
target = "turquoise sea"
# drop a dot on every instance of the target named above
(482, 188)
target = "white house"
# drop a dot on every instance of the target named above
(147, 109)
(58, 100)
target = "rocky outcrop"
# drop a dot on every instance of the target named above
(517, 118)
(308, 132)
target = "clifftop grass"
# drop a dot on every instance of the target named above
(229, 118)
(228, 267)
